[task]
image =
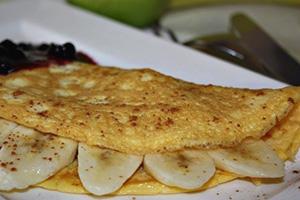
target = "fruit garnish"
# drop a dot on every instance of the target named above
(17, 56)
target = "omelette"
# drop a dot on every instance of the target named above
(83, 128)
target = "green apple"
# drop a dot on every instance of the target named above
(139, 13)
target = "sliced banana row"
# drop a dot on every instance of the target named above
(28, 157)
(104, 171)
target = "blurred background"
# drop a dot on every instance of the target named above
(190, 19)
(261, 35)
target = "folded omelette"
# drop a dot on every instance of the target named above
(83, 128)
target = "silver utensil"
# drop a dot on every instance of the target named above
(272, 58)
(247, 45)
(250, 46)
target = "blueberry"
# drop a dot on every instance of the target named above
(8, 50)
(6, 69)
(16, 54)
(69, 50)
(56, 51)
(3, 51)
(8, 44)
(25, 46)
(43, 47)
(4, 55)
(52, 47)
(4, 59)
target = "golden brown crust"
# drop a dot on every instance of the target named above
(138, 111)
(285, 136)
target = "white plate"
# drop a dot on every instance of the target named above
(111, 43)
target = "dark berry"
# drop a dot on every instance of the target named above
(17, 54)
(4, 55)
(25, 46)
(6, 69)
(25, 55)
(52, 48)
(5, 60)
(3, 51)
(8, 51)
(43, 47)
(69, 50)
(56, 51)
(8, 44)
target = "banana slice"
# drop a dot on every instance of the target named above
(253, 159)
(104, 171)
(5, 128)
(188, 169)
(28, 157)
